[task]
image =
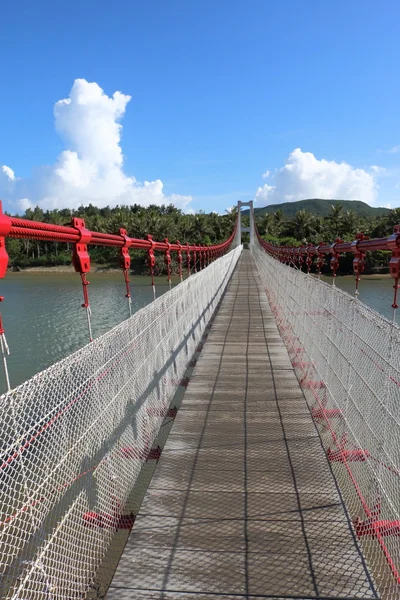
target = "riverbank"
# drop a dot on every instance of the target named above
(106, 269)
(64, 269)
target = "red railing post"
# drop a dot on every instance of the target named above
(394, 264)
(359, 258)
(188, 258)
(5, 228)
(309, 259)
(334, 262)
(125, 264)
(320, 259)
(81, 262)
(195, 258)
(151, 261)
(180, 258)
(167, 260)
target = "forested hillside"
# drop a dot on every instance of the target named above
(322, 208)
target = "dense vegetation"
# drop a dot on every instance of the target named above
(336, 221)
(307, 228)
(160, 221)
(322, 208)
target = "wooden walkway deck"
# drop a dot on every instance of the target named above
(243, 503)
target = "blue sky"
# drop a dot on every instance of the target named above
(221, 93)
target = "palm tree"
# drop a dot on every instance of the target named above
(303, 225)
(267, 224)
(335, 218)
(350, 223)
(280, 220)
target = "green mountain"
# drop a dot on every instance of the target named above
(321, 208)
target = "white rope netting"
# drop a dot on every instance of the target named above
(347, 359)
(74, 439)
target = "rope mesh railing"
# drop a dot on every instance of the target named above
(75, 437)
(347, 361)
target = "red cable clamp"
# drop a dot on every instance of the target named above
(180, 258)
(334, 262)
(188, 257)
(195, 258)
(150, 252)
(80, 255)
(125, 259)
(320, 259)
(309, 259)
(151, 261)
(394, 263)
(167, 258)
(359, 256)
(5, 227)
(302, 257)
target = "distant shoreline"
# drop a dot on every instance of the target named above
(104, 269)
(63, 269)
(69, 270)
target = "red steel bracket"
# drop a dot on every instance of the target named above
(309, 259)
(394, 263)
(125, 259)
(359, 258)
(320, 259)
(334, 262)
(5, 227)
(150, 251)
(167, 258)
(80, 255)
(180, 258)
(188, 257)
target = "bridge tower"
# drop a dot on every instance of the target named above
(240, 227)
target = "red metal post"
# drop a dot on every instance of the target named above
(309, 259)
(125, 264)
(151, 261)
(394, 264)
(180, 259)
(359, 258)
(167, 260)
(195, 258)
(81, 262)
(320, 259)
(188, 258)
(334, 262)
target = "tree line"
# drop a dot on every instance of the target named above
(160, 221)
(201, 228)
(308, 228)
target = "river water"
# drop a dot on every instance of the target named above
(44, 322)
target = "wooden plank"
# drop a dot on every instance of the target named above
(243, 503)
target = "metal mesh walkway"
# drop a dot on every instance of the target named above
(243, 503)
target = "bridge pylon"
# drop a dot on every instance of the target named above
(240, 229)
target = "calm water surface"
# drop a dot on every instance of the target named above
(375, 291)
(44, 322)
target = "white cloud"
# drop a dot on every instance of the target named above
(376, 169)
(394, 150)
(266, 174)
(90, 169)
(8, 172)
(304, 176)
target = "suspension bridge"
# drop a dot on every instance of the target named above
(236, 438)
